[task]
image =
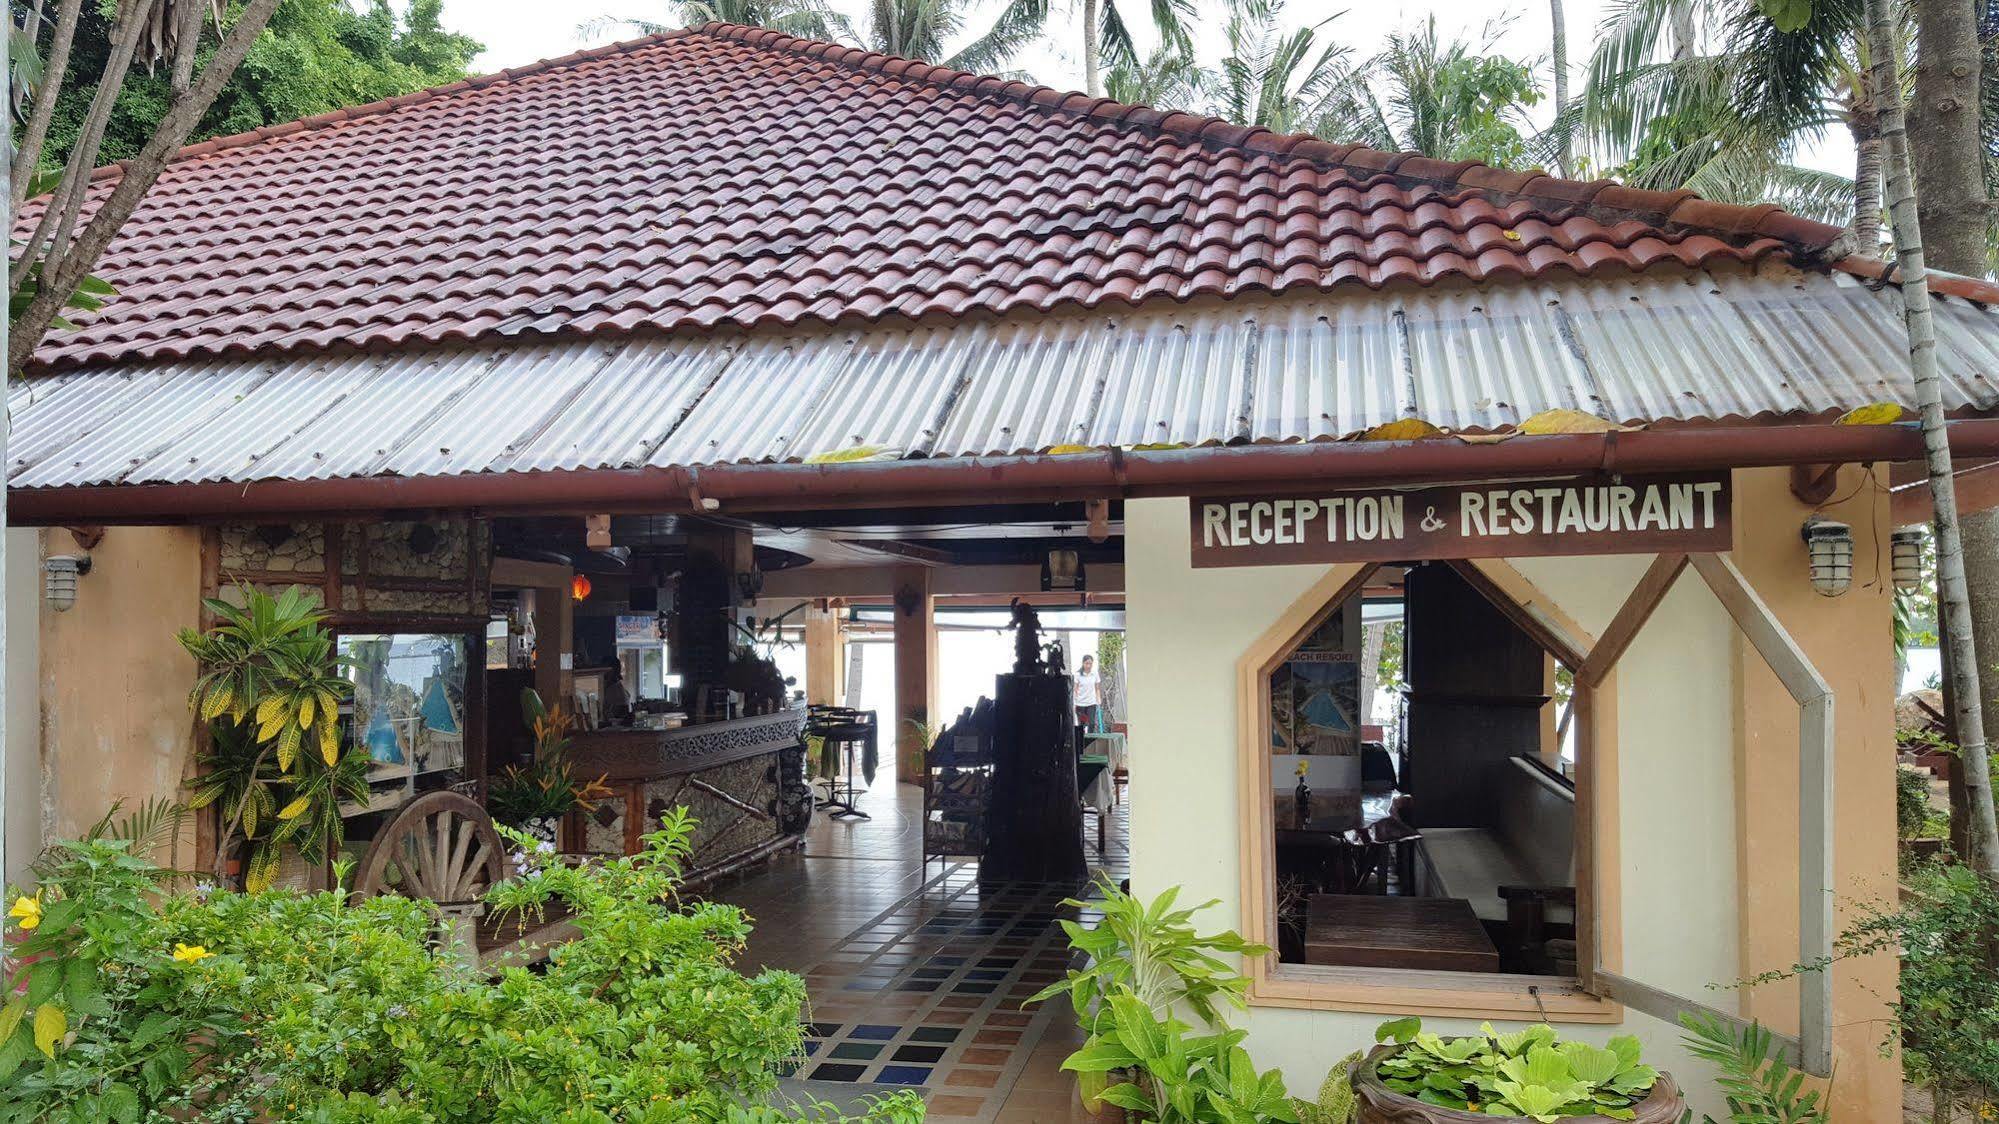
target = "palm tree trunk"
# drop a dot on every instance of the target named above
(1560, 53)
(1683, 30)
(1945, 150)
(1093, 79)
(1863, 121)
(1952, 598)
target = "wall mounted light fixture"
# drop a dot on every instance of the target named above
(1906, 551)
(1830, 545)
(59, 574)
(579, 587)
(1062, 570)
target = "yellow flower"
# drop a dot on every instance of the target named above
(191, 953)
(27, 911)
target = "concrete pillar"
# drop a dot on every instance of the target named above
(825, 656)
(915, 667)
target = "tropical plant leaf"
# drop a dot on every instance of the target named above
(50, 1026)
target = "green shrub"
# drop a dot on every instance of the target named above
(143, 1002)
(1914, 818)
(1527, 1073)
(1945, 1013)
(1146, 962)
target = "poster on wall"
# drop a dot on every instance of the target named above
(1315, 692)
(1515, 519)
(409, 701)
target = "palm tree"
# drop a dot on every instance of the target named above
(1449, 100)
(1282, 81)
(807, 19)
(1559, 57)
(1727, 123)
(1107, 34)
(1168, 79)
(920, 29)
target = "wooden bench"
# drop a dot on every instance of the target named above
(1520, 871)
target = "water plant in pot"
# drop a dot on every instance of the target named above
(534, 797)
(1417, 1077)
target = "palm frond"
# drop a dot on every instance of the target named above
(148, 827)
(1169, 79)
(1020, 23)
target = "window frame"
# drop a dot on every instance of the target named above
(1402, 991)
(1600, 992)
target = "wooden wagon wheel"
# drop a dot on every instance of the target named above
(440, 847)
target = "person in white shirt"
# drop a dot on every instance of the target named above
(1089, 715)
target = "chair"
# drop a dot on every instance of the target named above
(843, 730)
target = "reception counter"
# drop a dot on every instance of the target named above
(743, 780)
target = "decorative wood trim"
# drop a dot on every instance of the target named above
(1816, 742)
(279, 577)
(1434, 994)
(207, 821)
(1257, 843)
(635, 816)
(335, 537)
(1645, 597)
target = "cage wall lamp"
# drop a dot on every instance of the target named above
(59, 574)
(1830, 546)
(1906, 547)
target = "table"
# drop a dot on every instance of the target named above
(1333, 810)
(1093, 779)
(1370, 931)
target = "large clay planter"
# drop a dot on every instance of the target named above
(1381, 1105)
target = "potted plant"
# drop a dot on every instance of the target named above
(1415, 1077)
(535, 797)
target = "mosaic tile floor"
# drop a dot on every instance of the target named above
(926, 992)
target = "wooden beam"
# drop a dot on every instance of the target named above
(900, 548)
(825, 651)
(1637, 609)
(1761, 627)
(915, 668)
(1977, 490)
(1814, 484)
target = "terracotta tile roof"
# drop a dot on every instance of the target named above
(737, 177)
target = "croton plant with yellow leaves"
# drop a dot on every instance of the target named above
(269, 689)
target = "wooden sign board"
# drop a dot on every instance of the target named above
(1514, 519)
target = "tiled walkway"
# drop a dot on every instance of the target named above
(916, 974)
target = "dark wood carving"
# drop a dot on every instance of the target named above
(1035, 820)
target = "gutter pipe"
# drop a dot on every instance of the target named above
(995, 479)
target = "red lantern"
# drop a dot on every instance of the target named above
(579, 586)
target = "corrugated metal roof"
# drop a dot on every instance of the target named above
(1644, 349)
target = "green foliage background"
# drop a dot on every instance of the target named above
(314, 57)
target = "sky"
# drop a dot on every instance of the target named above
(521, 31)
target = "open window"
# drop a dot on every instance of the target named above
(1423, 844)
(1422, 822)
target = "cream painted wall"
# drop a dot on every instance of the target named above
(23, 732)
(114, 682)
(1677, 739)
(1676, 764)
